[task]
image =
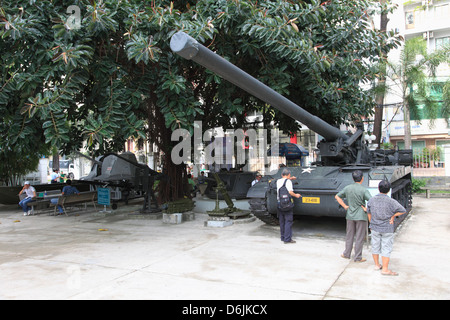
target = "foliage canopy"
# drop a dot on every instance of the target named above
(115, 76)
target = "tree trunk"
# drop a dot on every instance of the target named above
(172, 185)
(378, 118)
(379, 99)
(55, 161)
(407, 124)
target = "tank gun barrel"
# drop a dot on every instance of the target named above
(189, 48)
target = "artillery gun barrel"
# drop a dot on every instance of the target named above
(189, 48)
(87, 157)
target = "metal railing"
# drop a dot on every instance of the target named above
(428, 163)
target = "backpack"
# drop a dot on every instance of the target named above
(285, 202)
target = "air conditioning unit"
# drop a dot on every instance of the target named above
(428, 35)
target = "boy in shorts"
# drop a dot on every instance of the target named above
(381, 211)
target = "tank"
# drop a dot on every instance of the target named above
(340, 153)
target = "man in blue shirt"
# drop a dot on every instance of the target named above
(67, 190)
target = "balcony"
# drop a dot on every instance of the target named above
(422, 17)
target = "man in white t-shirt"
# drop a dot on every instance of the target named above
(54, 176)
(286, 217)
(30, 194)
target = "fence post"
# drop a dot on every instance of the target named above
(447, 159)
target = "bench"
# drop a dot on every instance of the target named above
(48, 194)
(42, 201)
(36, 204)
(74, 199)
(439, 188)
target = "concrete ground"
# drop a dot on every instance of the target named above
(91, 256)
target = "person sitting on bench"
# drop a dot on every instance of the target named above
(66, 191)
(30, 195)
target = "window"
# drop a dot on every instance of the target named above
(442, 11)
(409, 20)
(441, 42)
(417, 145)
(435, 94)
(440, 144)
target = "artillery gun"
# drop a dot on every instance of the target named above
(125, 177)
(230, 210)
(340, 153)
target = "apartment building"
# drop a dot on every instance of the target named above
(429, 19)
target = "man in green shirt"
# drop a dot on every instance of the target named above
(356, 216)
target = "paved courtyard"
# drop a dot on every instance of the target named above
(91, 256)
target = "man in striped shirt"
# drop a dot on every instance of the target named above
(382, 210)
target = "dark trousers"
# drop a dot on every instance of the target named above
(356, 229)
(286, 219)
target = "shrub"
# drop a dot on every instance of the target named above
(418, 184)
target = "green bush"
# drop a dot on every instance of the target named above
(418, 184)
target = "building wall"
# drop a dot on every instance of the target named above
(429, 19)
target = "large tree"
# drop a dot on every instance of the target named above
(112, 75)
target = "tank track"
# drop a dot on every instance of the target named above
(259, 209)
(402, 192)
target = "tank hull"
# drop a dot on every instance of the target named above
(319, 185)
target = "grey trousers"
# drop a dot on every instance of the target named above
(382, 243)
(356, 229)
